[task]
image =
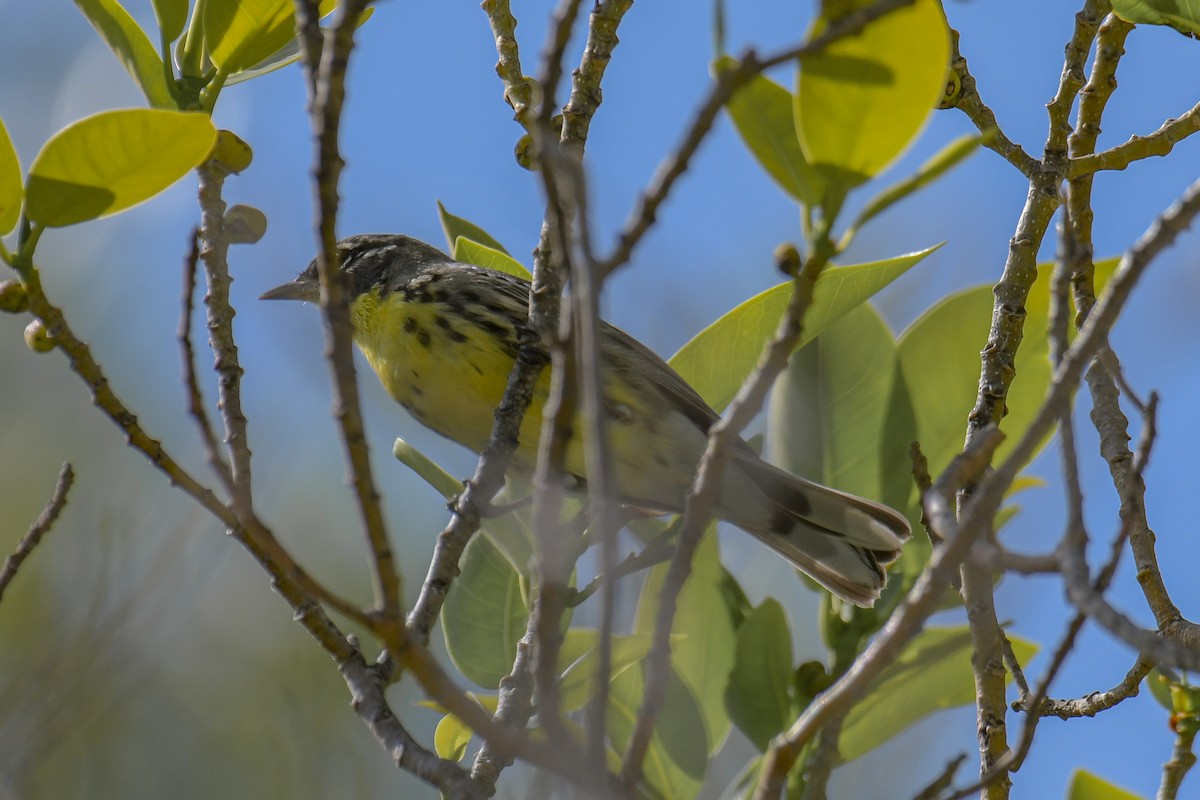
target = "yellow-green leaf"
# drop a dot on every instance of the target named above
(484, 615)
(677, 757)
(1182, 15)
(1086, 786)
(862, 100)
(454, 227)
(113, 160)
(452, 735)
(469, 251)
(11, 191)
(939, 354)
(758, 697)
(933, 673)
(240, 34)
(703, 654)
(171, 16)
(131, 46)
(577, 662)
(763, 114)
(718, 359)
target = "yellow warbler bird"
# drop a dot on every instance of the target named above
(442, 336)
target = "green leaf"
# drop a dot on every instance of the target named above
(131, 46)
(1182, 15)
(943, 161)
(577, 662)
(939, 354)
(110, 161)
(455, 227)
(678, 753)
(718, 358)
(469, 251)
(452, 735)
(1086, 786)
(861, 101)
(829, 409)
(484, 615)
(172, 16)
(933, 673)
(11, 190)
(758, 697)
(1160, 689)
(704, 652)
(763, 114)
(240, 34)
(285, 56)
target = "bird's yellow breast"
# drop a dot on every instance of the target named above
(449, 373)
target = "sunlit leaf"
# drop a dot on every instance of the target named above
(113, 160)
(719, 358)
(484, 615)
(933, 673)
(454, 227)
(452, 735)
(1086, 786)
(758, 697)
(240, 34)
(1182, 15)
(704, 652)
(939, 354)
(172, 16)
(862, 100)
(578, 658)
(131, 46)
(829, 408)
(763, 114)
(11, 190)
(469, 251)
(284, 56)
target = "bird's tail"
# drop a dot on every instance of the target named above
(841, 541)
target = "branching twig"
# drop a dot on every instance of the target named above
(214, 249)
(369, 702)
(1159, 143)
(195, 399)
(970, 103)
(40, 527)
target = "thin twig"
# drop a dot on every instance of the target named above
(191, 380)
(327, 76)
(39, 528)
(701, 499)
(513, 708)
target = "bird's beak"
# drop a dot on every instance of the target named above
(300, 289)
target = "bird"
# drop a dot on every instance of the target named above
(442, 336)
